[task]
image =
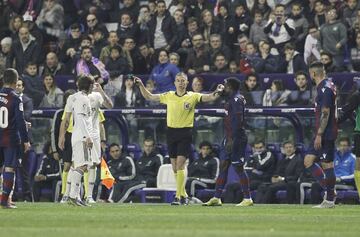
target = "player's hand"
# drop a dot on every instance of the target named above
(27, 146)
(40, 177)
(220, 88)
(317, 143)
(56, 156)
(97, 87)
(61, 142)
(89, 143)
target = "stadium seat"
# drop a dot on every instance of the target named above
(165, 186)
(134, 150)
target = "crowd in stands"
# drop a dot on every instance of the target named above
(110, 39)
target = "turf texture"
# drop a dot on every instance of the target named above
(127, 220)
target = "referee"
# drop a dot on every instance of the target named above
(180, 121)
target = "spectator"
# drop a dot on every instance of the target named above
(162, 28)
(90, 66)
(220, 64)
(238, 52)
(285, 177)
(349, 12)
(47, 175)
(242, 20)
(25, 50)
(180, 29)
(26, 100)
(344, 166)
(142, 21)
(92, 23)
(251, 62)
(209, 25)
(174, 58)
(129, 48)
(233, 67)
(198, 6)
(131, 7)
(4, 52)
(71, 45)
(263, 7)
(228, 24)
(122, 168)
(113, 40)
(301, 26)
(279, 29)
(192, 29)
(116, 64)
(257, 28)
(51, 20)
(250, 85)
(145, 61)
(197, 85)
(329, 66)
(202, 172)
(276, 95)
(293, 62)
(198, 59)
(54, 96)
(150, 86)
(302, 96)
(311, 48)
(16, 23)
(355, 54)
(129, 95)
(52, 66)
(28, 21)
(34, 86)
(271, 63)
(126, 28)
(99, 42)
(164, 73)
(320, 13)
(216, 46)
(147, 167)
(333, 38)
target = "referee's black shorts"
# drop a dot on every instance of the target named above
(179, 142)
(66, 154)
(356, 138)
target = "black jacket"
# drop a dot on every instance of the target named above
(28, 107)
(168, 27)
(34, 88)
(263, 166)
(206, 169)
(50, 168)
(120, 99)
(122, 169)
(117, 67)
(290, 169)
(147, 168)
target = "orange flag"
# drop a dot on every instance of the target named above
(106, 177)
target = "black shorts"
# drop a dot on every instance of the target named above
(325, 153)
(66, 154)
(356, 138)
(179, 142)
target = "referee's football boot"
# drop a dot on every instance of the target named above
(213, 202)
(176, 202)
(184, 201)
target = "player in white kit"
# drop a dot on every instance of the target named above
(78, 105)
(98, 99)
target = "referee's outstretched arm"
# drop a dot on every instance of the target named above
(147, 94)
(214, 95)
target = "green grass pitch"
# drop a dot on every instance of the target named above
(105, 220)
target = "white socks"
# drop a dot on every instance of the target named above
(75, 182)
(92, 178)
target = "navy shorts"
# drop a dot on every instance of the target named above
(356, 138)
(237, 152)
(179, 142)
(325, 153)
(9, 155)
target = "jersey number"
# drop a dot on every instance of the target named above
(4, 121)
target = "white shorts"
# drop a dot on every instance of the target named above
(81, 155)
(96, 151)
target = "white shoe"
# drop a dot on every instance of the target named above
(194, 200)
(325, 204)
(90, 200)
(64, 199)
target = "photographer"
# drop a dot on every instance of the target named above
(279, 28)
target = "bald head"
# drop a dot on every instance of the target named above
(51, 60)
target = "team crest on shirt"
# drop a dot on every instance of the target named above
(187, 106)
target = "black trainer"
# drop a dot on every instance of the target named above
(184, 201)
(176, 202)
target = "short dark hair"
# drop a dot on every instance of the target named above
(150, 139)
(75, 26)
(116, 47)
(10, 76)
(316, 65)
(31, 63)
(84, 83)
(344, 139)
(233, 82)
(85, 47)
(205, 143)
(288, 142)
(191, 20)
(258, 141)
(252, 75)
(327, 54)
(160, 1)
(113, 144)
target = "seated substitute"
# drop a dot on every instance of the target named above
(47, 175)
(147, 168)
(288, 171)
(202, 172)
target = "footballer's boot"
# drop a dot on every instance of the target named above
(325, 204)
(176, 202)
(213, 202)
(74, 202)
(246, 202)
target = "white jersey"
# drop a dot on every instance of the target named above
(79, 105)
(96, 101)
